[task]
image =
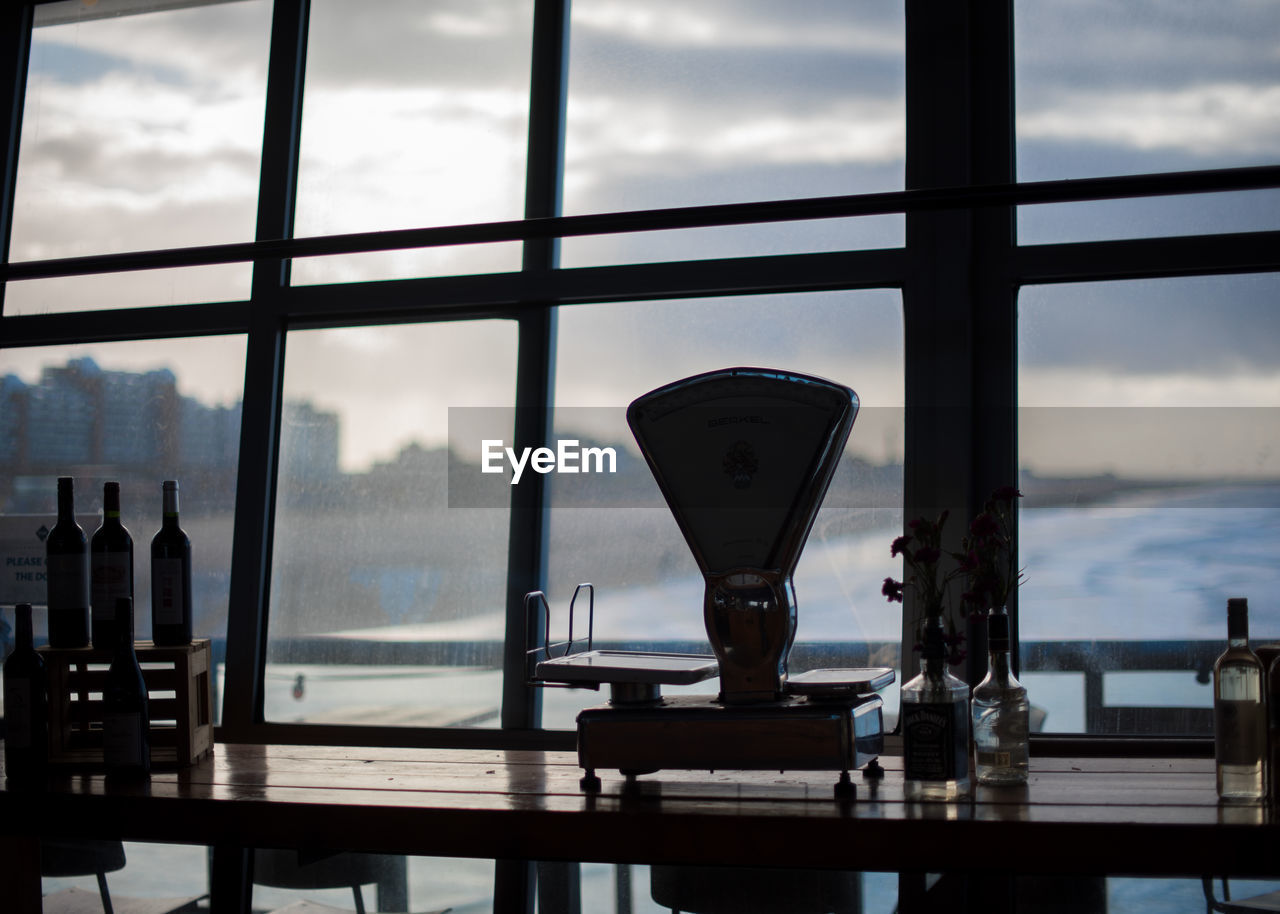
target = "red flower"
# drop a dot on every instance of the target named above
(984, 525)
(899, 545)
(1006, 494)
(927, 555)
(892, 589)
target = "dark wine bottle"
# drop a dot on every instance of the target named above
(126, 723)
(170, 575)
(26, 705)
(66, 566)
(110, 567)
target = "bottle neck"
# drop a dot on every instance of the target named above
(111, 503)
(170, 503)
(934, 652)
(1000, 662)
(124, 624)
(22, 628)
(66, 500)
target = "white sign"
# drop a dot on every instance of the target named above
(22, 572)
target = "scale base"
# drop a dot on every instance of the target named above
(701, 733)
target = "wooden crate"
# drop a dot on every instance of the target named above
(179, 698)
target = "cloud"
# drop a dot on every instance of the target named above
(1215, 327)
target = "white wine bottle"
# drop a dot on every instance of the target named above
(1239, 712)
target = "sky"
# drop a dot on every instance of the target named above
(143, 132)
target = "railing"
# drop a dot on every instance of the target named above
(1093, 660)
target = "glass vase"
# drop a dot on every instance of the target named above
(1001, 713)
(935, 729)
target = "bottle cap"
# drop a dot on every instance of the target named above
(1238, 617)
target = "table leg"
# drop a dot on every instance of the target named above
(20, 873)
(231, 880)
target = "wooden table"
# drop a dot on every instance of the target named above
(1096, 816)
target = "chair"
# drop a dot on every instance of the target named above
(1268, 902)
(60, 859)
(741, 890)
(298, 869)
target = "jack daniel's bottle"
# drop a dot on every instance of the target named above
(935, 728)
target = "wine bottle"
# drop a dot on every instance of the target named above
(67, 573)
(26, 705)
(170, 575)
(1001, 713)
(1239, 711)
(110, 566)
(126, 723)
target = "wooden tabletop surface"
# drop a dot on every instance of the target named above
(1134, 816)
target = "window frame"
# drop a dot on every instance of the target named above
(959, 272)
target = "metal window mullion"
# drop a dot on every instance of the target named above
(264, 372)
(994, 306)
(535, 368)
(937, 292)
(15, 53)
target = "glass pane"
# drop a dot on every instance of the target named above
(430, 883)
(1150, 456)
(679, 104)
(140, 132)
(1148, 86)
(151, 871)
(415, 115)
(649, 589)
(387, 604)
(139, 413)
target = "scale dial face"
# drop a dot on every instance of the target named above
(743, 457)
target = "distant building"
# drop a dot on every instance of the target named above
(309, 441)
(79, 415)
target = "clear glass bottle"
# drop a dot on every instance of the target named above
(1001, 713)
(935, 728)
(1239, 712)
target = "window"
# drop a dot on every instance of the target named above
(558, 210)
(279, 241)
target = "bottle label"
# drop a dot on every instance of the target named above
(935, 741)
(167, 591)
(122, 739)
(17, 712)
(112, 578)
(1240, 732)
(68, 581)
